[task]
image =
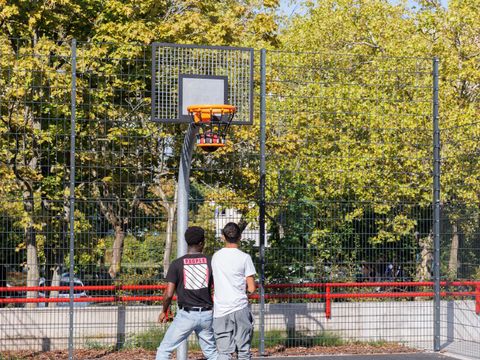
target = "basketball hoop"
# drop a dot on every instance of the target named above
(214, 121)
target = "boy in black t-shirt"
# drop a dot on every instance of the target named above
(191, 277)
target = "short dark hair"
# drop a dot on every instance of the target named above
(194, 235)
(232, 232)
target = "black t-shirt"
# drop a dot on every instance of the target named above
(192, 276)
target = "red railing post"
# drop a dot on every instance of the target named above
(477, 298)
(328, 302)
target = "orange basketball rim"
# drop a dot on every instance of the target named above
(207, 113)
(214, 121)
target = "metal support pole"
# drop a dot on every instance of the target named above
(72, 195)
(436, 207)
(183, 192)
(263, 116)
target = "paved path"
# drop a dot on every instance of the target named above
(417, 356)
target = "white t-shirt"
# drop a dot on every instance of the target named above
(230, 267)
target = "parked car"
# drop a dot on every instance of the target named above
(65, 294)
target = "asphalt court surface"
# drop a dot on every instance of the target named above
(416, 356)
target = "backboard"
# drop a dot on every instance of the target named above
(184, 75)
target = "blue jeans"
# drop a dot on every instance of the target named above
(180, 329)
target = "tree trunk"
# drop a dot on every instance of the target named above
(55, 282)
(426, 257)
(169, 237)
(32, 253)
(453, 260)
(32, 264)
(242, 224)
(28, 183)
(59, 253)
(117, 251)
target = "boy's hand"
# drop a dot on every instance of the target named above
(164, 317)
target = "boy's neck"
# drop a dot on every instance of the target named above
(231, 245)
(192, 250)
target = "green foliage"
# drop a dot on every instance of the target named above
(140, 257)
(346, 136)
(35, 54)
(343, 178)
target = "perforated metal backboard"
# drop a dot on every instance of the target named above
(184, 75)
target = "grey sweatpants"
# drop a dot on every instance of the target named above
(233, 332)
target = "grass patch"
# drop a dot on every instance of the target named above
(151, 338)
(272, 338)
(373, 343)
(280, 338)
(299, 339)
(6, 356)
(321, 339)
(148, 339)
(91, 344)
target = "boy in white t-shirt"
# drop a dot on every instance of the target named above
(233, 274)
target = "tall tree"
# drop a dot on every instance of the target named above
(95, 23)
(350, 122)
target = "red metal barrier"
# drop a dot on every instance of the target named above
(477, 299)
(84, 288)
(328, 302)
(328, 294)
(288, 296)
(111, 288)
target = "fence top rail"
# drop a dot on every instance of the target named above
(376, 284)
(26, 42)
(350, 55)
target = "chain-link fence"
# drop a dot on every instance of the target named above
(35, 88)
(334, 185)
(349, 199)
(459, 241)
